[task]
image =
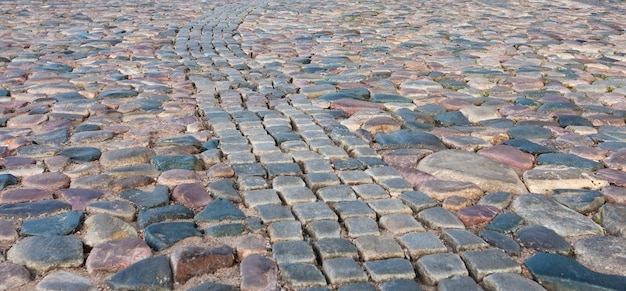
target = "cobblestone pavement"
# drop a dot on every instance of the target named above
(266, 145)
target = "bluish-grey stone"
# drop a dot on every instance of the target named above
(62, 280)
(44, 252)
(529, 132)
(542, 239)
(569, 160)
(451, 118)
(81, 154)
(409, 138)
(573, 120)
(159, 196)
(528, 146)
(7, 180)
(464, 283)
(62, 224)
(54, 137)
(558, 106)
(184, 162)
(163, 235)
(581, 200)
(225, 189)
(159, 214)
(212, 286)
(120, 93)
(227, 229)
(152, 273)
(32, 209)
(387, 98)
(501, 241)
(505, 222)
(557, 272)
(218, 210)
(183, 140)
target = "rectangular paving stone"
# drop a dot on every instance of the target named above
(419, 244)
(302, 275)
(323, 229)
(307, 212)
(241, 158)
(296, 195)
(302, 156)
(390, 269)
(332, 152)
(348, 164)
(395, 186)
(354, 177)
(351, 209)
(401, 284)
(255, 198)
(434, 268)
(462, 240)
(275, 158)
(400, 223)
(439, 218)
(319, 180)
(373, 247)
(329, 248)
(285, 231)
(384, 207)
(383, 173)
(249, 169)
(370, 191)
(317, 166)
(484, 262)
(282, 169)
(246, 183)
(362, 152)
(264, 149)
(336, 193)
(361, 226)
(464, 283)
(418, 201)
(289, 252)
(227, 150)
(283, 182)
(291, 146)
(343, 270)
(274, 212)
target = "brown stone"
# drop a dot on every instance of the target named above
(10, 162)
(415, 177)
(190, 261)
(615, 177)
(258, 273)
(405, 158)
(441, 189)
(352, 106)
(115, 255)
(477, 214)
(220, 170)
(48, 181)
(191, 195)
(614, 194)
(381, 124)
(508, 155)
(454, 203)
(25, 195)
(616, 160)
(136, 181)
(250, 245)
(172, 178)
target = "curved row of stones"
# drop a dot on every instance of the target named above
(357, 171)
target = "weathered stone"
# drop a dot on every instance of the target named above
(62, 280)
(63, 224)
(152, 273)
(13, 276)
(115, 255)
(614, 219)
(442, 189)
(190, 261)
(163, 235)
(477, 214)
(160, 214)
(191, 195)
(101, 227)
(258, 273)
(33, 209)
(542, 179)
(35, 252)
(603, 254)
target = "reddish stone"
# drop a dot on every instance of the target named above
(415, 177)
(477, 214)
(79, 198)
(49, 181)
(132, 182)
(405, 158)
(173, 178)
(454, 203)
(220, 170)
(4, 151)
(381, 124)
(508, 155)
(54, 124)
(258, 273)
(250, 245)
(7, 230)
(614, 177)
(10, 162)
(590, 153)
(454, 104)
(190, 261)
(18, 142)
(191, 195)
(12, 105)
(352, 106)
(614, 194)
(114, 255)
(616, 160)
(25, 195)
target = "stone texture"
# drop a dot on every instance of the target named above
(258, 273)
(152, 273)
(432, 269)
(35, 253)
(603, 254)
(190, 261)
(115, 255)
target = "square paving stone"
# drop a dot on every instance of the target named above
(323, 229)
(348, 164)
(264, 149)
(295, 195)
(332, 152)
(361, 286)
(395, 186)
(400, 284)
(289, 252)
(370, 191)
(255, 198)
(343, 270)
(307, 212)
(249, 169)
(384, 207)
(459, 283)
(302, 156)
(241, 158)
(439, 218)
(283, 182)
(363, 152)
(373, 247)
(285, 231)
(422, 243)
(319, 180)
(329, 248)
(282, 169)
(317, 166)
(485, 262)
(462, 240)
(390, 269)
(275, 158)
(383, 173)
(417, 201)
(336, 193)
(360, 226)
(433, 269)
(273, 212)
(352, 209)
(302, 275)
(290, 142)
(354, 177)
(400, 223)
(247, 183)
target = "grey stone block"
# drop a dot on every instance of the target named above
(323, 229)
(273, 212)
(336, 193)
(255, 198)
(462, 240)
(351, 209)
(249, 169)
(335, 248)
(422, 243)
(384, 207)
(459, 283)
(433, 269)
(343, 270)
(319, 180)
(370, 191)
(439, 218)
(360, 226)
(282, 169)
(485, 262)
(296, 195)
(361, 286)
(354, 177)
(289, 252)
(247, 183)
(283, 182)
(400, 284)
(307, 212)
(377, 248)
(400, 224)
(285, 231)
(302, 275)
(509, 281)
(390, 269)
(417, 201)
(395, 186)
(317, 166)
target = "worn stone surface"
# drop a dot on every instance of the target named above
(603, 254)
(152, 273)
(190, 261)
(43, 253)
